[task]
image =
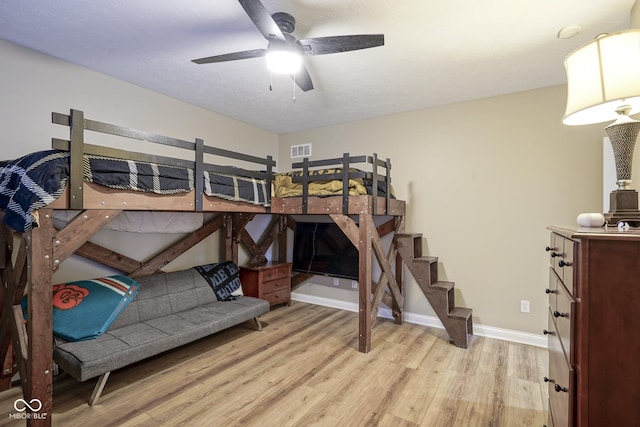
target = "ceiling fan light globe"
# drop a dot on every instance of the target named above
(284, 61)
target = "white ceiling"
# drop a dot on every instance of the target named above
(436, 52)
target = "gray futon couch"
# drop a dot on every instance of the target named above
(170, 310)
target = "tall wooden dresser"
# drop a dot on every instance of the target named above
(594, 327)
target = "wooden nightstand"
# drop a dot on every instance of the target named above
(271, 281)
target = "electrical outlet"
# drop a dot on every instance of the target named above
(354, 284)
(336, 281)
(524, 306)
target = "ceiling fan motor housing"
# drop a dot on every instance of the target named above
(286, 22)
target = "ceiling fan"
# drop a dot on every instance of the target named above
(277, 29)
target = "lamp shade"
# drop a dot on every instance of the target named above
(603, 75)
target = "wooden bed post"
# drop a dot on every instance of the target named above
(39, 369)
(76, 130)
(226, 238)
(364, 278)
(397, 311)
(282, 238)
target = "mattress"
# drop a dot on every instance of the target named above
(37, 179)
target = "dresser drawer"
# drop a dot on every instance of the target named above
(552, 289)
(561, 382)
(276, 284)
(562, 258)
(563, 313)
(555, 247)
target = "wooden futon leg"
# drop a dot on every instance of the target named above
(97, 391)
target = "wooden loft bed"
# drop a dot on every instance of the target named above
(30, 255)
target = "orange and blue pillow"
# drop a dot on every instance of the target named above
(85, 309)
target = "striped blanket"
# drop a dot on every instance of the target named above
(36, 180)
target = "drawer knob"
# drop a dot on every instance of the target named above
(556, 313)
(559, 388)
(554, 254)
(547, 380)
(548, 249)
(563, 263)
(550, 291)
(544, 331)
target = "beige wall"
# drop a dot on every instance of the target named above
(33, 85)
(482, 180)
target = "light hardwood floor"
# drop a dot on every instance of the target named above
(303, 369)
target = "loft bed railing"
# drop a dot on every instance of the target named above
(195, 150)
(344, 172)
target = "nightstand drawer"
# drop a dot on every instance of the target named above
(276, 272)
(282, 296)
(277, 284)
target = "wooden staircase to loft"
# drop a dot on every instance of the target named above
(440, 294)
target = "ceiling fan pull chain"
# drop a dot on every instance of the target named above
(270, 81)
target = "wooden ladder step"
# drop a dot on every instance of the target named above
(407, 235)
(446, 286)
(461, 312)
(460, 326)
(426, 259)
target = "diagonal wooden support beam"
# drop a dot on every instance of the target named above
(186, 243)
(386, 280)
(14, 279)
(108, 257)
(269, 235)
(258, 250)
(79, 230)
(350, 229)
(385, 265)
(256, 254)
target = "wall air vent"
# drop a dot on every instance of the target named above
(303, 150)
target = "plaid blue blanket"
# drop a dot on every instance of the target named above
(30, 183)
(36, 180)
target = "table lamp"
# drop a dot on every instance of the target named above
(603, 84)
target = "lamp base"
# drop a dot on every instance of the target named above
(623, 207)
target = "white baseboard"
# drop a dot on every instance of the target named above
(421, 319)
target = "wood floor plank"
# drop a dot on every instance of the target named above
(304, 369)
(414, 401)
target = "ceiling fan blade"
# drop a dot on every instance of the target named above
(262, 19)
(303, 79)
(255, 53)
(337, 44)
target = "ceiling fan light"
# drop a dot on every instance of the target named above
(283, 61)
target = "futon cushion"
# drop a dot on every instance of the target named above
(85, 309)
(119, 347)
